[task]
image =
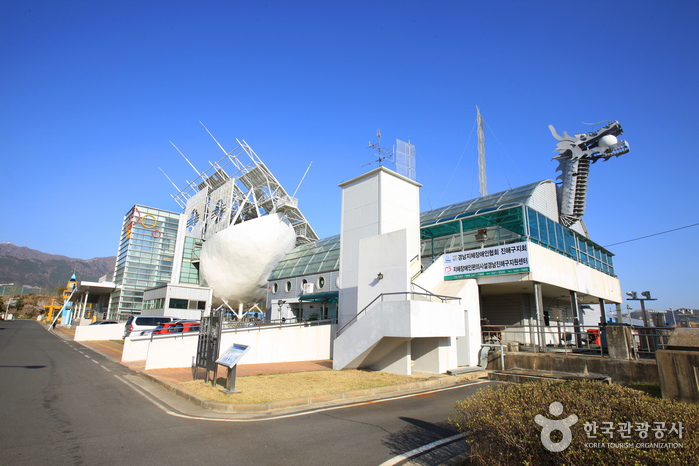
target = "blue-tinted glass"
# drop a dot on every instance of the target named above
(543, 233)
(533, 223)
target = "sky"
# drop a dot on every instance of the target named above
(91, 93)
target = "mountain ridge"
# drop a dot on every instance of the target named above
(25, 266)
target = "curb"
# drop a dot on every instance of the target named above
(299, 405)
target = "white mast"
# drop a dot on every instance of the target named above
(481, 156)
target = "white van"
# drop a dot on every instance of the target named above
(137, 324)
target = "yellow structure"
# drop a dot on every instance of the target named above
(50, 308)
(67, 292)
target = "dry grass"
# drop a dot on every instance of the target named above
(277, 387)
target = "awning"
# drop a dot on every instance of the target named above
(330, 296)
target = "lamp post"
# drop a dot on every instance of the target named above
(646, 297)
(3, 285)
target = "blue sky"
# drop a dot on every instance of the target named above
(91, 92)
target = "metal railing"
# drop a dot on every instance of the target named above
(409, 296)
(566, 337)
(264, 325)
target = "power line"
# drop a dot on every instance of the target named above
(654, 234)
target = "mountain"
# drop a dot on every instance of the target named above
(25, 266)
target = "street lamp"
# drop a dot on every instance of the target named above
(3, 285)
(646, 297)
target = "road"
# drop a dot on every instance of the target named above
(63, 403)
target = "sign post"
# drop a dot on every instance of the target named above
(230, 359)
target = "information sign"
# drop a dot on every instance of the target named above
(497, 260)
(232, 355)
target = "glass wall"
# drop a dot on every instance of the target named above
(317, 257)
(493, 227)
(190, 273)
(145, 258)
(554, 236)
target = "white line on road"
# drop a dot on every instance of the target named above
(422, 449)
(105, 369)
(167, 410)
(96, 362)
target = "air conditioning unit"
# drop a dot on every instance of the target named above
(308, 288)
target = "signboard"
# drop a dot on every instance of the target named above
(208, 344)
(232, 355)
(497, 260)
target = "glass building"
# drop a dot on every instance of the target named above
(146, 257)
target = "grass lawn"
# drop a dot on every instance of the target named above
(277, 387)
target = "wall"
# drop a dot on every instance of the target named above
(555, 269)
(621, 371)
(268, 344)
(386, 254)
(378, 202)
(99, 332)
(678, 375)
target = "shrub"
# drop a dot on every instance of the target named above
(499, 423)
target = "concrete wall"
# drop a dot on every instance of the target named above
(386, 254)
(267, 344)
(99, 332)
(469, 343)
(376, 338)
(679, 372)
(378, 202)
(555, 269)
(621, 372)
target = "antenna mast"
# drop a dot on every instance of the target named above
(482, 178)
(381, 153)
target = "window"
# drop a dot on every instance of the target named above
(303, 284)
(320, 283)
(178, 303)
(287, 287)
(275, 288)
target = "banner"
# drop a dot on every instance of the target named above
(497, 260)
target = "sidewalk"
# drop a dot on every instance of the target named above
(170, 380)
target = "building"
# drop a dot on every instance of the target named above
(410, 290)
(146, 257)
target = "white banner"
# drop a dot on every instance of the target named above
(498, 260)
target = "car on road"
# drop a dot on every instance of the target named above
(137, 324)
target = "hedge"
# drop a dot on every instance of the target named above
(499, 423)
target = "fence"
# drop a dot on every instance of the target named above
(574, 339)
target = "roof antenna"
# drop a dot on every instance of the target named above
(381, 153)
(302, 178)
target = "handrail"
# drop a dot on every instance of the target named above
(441, 297)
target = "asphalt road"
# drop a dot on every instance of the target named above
(62, 403)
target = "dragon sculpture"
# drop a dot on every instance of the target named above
(575, 153)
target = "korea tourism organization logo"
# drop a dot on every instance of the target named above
(643, 435)
(550, 425)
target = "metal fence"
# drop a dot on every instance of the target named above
(574, 339)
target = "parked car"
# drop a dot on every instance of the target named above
(106, 322)
(137, 324)
(180, 326)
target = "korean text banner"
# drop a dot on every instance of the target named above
(497, 260)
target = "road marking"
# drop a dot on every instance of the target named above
(169, 411)
(96, 362)
(105, 369)
(88, 357)
(422, 449)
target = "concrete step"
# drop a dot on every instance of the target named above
(522, 376)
